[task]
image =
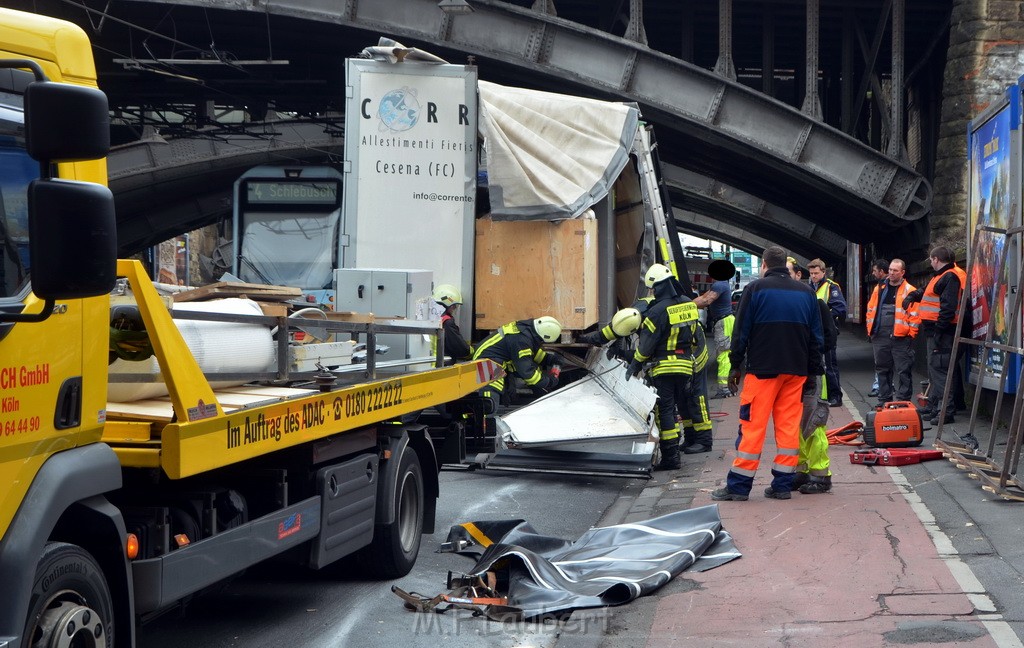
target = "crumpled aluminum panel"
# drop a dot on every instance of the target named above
(603, 405)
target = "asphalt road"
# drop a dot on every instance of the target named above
(287, 606)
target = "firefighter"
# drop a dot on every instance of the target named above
(624, 323)
(455, 346)
(516, 346)
(672, 340)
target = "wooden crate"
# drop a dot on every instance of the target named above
(526, 269)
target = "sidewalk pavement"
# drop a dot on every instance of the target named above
(913, 555)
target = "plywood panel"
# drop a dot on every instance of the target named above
(525, 269)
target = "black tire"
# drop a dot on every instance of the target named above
(69, 594)
(395, 546)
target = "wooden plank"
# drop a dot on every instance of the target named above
(145, 410)
(238, 401)
(526, 269)
(258, 292)
(266, 392)
(273, 309)
(350, 316)
(230, 399)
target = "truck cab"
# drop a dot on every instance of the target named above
(107, 513)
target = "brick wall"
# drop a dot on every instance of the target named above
(986, 54)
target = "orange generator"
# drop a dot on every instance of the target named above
(894, 425)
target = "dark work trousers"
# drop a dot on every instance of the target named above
(694, 411)
(832, 374)
(674, 390)
(894, 361)
(940, 348)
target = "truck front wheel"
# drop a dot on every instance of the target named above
(70, 605)
(396, 545)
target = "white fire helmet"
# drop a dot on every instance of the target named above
(447, 295)
(656, 273)
(626, 322)
(547, 328)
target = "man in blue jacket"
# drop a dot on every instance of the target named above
(778, 339)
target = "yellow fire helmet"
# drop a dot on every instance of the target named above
(655, 274)
(447, 295)
(547, 328)
(626, 322)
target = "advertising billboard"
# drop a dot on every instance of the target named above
(993, 158)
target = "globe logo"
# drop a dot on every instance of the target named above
(399, 109)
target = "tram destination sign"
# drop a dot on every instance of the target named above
(282, 192)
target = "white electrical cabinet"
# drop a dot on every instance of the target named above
(388, 293)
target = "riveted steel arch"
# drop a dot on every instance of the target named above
(763, 220)
(689, 222)
(721, 128)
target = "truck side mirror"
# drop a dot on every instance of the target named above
(66, 123)
(72, 240)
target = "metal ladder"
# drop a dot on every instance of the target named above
(659, 213)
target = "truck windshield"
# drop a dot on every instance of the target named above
(17, 170)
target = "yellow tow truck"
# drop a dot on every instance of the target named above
(110, 513)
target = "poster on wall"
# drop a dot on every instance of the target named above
(994, 188)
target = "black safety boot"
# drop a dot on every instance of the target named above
(726, 495)
(800, 479)
(688, 439)
(701, 443)
(774, 494)
(816, 485)
(946, 421)
(669, 456)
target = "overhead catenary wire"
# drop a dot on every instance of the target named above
(167, 69)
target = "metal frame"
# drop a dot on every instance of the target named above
(1001, 479)
(357, 372)
(828, 167)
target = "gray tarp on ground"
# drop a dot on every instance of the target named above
(551, 156)
(606, 566)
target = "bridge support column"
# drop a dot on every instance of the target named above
(985, 56)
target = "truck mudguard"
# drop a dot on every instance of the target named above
(69, 477)
(401, 438)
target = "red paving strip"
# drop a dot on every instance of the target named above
(839, 569)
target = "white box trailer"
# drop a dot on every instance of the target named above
(410, 170)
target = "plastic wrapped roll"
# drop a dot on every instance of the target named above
(218, 347)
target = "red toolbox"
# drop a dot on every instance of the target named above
(894, 456)
(894, 425)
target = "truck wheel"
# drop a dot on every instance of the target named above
(396, 545)
(70, 605)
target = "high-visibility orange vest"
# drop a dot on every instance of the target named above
(907, 319)
(929, 309)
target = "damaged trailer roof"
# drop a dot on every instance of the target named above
(597, 425)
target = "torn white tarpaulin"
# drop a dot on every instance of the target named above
(606, 566)
(551, 156)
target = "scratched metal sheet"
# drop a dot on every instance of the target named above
(601, 406)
